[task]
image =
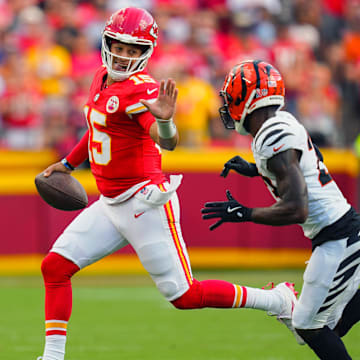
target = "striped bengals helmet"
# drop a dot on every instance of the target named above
(250, 85)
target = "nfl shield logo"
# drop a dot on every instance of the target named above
(144, 190)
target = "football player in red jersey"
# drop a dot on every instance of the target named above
(129, 118)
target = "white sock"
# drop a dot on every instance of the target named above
(267, 300)
(54, 347)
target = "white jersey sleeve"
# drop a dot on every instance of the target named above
(283, 132)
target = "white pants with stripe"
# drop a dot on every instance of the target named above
(153, 231)
(331, 279)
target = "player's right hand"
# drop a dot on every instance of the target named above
(164, 106)
(241, 166)
(59, 166)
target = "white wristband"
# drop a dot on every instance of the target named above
(166, 128)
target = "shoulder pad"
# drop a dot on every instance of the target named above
(277, 134)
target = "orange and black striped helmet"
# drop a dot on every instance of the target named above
(250, 85)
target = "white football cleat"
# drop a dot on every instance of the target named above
(289, 295)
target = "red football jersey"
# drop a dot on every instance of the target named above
(120, 149)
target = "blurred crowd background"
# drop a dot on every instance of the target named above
(50, 49)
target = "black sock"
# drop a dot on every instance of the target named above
(350, 316)
(326, 344)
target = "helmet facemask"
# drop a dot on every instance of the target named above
(224, 112)
(226, 117)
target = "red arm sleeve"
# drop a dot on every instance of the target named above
(80, 152)
(145, 119)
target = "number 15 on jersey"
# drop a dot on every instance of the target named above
(99, 141)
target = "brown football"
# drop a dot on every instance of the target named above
(62, 191)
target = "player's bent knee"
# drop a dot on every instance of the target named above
(167, 288)
(158, 262)
(156, 258)
(301, 319)
(191, 299)
(55, 268)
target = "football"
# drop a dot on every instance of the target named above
(62, 191)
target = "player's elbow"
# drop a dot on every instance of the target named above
(302, 215)
(299, 213)
(293, 212)
(169, 147)
(168, 144)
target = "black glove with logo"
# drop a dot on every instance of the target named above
(241, 166)
(227, 211)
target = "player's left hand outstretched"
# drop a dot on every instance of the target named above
(164, 106)
(227, 211)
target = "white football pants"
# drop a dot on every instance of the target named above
(153, 231)
(331, 279)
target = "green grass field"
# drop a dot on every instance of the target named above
(124, 317)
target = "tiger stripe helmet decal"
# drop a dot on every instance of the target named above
(250, 85)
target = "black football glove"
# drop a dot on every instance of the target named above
(241, 166)
(227, 211)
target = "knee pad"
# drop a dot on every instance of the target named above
(167, 288)
(192, 299)
(158, 262)
(156, 258)
(55, 268)
(301, 318)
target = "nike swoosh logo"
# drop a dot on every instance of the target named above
(139, 214)
(230, 210)
(149, 92)
(278, 148)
